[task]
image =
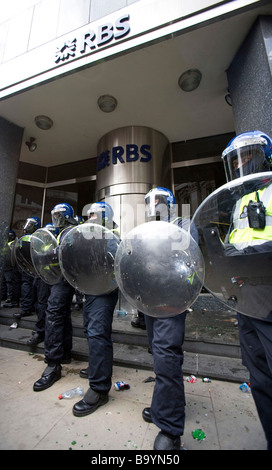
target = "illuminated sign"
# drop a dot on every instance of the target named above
(93, 40)
(131, 153)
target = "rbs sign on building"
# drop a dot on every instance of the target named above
(120, 154)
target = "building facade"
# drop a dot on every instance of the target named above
(103, 100)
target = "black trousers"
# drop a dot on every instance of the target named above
(27, 293)
(58, 324)
(98, 314)
(42, 292)
(256, 349)
(166, 336)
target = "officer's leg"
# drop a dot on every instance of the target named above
(256, 349)
(67, 336)
(58, 316)
(168, 401)
(100, 341)
(98, 312)
(58, 308)
(8, 279)
(42, 293)
(27, 296)
(16, 286)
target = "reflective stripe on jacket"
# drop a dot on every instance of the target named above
(242, 235)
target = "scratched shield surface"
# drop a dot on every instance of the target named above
(86, 256)
(236, 274)
(44, 255)
(160, 269)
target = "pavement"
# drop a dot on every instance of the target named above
(32, 420)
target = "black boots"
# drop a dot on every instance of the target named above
(50, 375)
(91, 401)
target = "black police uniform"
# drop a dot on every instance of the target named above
(166, 337)
(256, 333)
(58, 323)
(98, 314)
(58, 330)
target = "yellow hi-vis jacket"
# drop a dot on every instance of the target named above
(242, 235)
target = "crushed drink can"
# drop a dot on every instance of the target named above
(121, 386)
(191, 379)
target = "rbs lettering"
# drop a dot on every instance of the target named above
(131, 153)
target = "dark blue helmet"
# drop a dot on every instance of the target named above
(246, 154)
(52, 229)
(79, 219)
(11, 235)
(159, 204)
(62, 215)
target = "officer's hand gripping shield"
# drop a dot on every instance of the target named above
(239, 274)
(44, 247)
(86, 256)
(159, 269)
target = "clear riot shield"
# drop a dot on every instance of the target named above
(22, 255)
(159, 269)
(86, 256)
(238, 274)
(44, 256)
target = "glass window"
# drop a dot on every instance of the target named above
(28, 203)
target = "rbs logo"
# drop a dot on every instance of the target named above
(131, 153)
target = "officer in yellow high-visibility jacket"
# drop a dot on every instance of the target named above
(251, 232)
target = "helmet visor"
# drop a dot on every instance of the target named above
(245, 161)
(58, 219)
(29, 226)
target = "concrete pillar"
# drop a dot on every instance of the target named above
(250, 80)
(10, 144)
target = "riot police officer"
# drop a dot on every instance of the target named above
(42, 290)
(98, 314)
(166, 336)
(251, 232)
(27, 291)
(58, 324)
(12, 276)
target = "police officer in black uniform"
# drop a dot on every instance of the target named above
(58, 324)
(12, 276)
(27, 289)
(251, 232)
(166, 336)
(98, 314)
(42, 291)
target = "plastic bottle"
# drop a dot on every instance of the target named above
(120, 313)
(72, 393)
(245, 387)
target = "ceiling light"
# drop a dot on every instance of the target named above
(31, 144)
(190, 80)
(107, 103)
(43, 122)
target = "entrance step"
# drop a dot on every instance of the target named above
(211, 346)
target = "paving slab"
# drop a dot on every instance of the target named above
(40, 421)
